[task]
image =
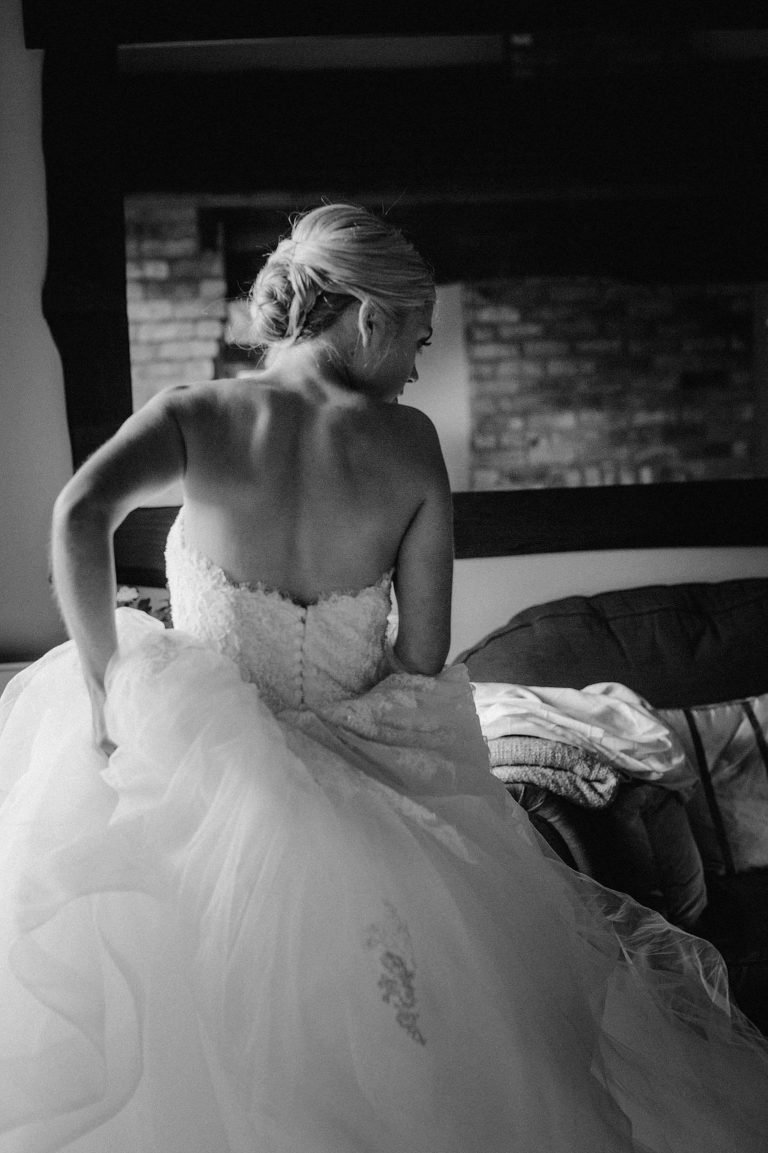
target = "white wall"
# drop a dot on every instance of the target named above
(489, 590)
(35, 458)
(442, 390)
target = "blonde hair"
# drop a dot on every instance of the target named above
(335, 253)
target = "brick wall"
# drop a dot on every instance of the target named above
(585, 381)
(573, 381)
(176, 296)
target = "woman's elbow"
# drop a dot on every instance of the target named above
(426, 662)
(78, 507)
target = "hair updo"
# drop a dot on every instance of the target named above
(334, 254)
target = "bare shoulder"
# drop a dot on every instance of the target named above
(417, 438)
(193, 405)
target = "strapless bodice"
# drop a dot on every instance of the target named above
(297, 655)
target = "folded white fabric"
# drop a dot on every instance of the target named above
(607, 718)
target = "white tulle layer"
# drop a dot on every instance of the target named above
(241, 937)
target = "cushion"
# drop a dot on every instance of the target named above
(727, 742)
(675, 645)
(641, 844)
(656, 857)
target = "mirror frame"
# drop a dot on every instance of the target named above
(84, 301)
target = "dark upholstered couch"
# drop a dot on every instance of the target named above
(680, 647)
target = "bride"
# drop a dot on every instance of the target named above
(259, 890)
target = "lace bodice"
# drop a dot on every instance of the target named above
(297, 655)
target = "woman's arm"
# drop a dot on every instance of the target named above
(146, 454)
(424, 571)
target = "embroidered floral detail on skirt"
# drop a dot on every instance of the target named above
(397, 982)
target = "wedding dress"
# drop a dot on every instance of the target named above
(296, 913)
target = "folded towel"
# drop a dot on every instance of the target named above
(571, 772)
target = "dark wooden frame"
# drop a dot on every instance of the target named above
(84, 299)
(697, 514)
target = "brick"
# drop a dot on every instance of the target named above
(484, 440)
(171, 248)
(149, 310)
(606, 346)
(208, 329)
(518, 331)
(175, 290)
(484, 406)
(486, 478)
(154, 371)
(503, 386)
(496, 314)
(512, 439)
(173, 330)
(187, 349)
(565, 367)
(163, 373)
(531, 369)
(494, 350)
(549, 348)
(507, 403)
(564, 421)
(483, 372)
(198, 309)
(211, 287)
(199, 369)
(134, 290)
(205, 264)
(510, 368)
(656, 417)
(481, 332)
(551, 450)
(147, 269)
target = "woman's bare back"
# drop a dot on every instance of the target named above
(301, 488)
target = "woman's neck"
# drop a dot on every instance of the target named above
(316, 368)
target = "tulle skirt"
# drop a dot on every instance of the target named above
(325, 934)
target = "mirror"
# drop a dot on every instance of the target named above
(584, 170)
(591, 201)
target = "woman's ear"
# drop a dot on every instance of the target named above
(367, 320)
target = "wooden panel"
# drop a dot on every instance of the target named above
(139, 546)
(84, 293)
(692, 514)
